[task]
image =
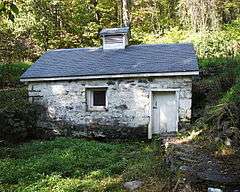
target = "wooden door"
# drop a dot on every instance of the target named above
(164, 112)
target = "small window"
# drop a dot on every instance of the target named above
(99, 98)
(96, 98)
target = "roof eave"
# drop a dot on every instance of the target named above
(39, 79)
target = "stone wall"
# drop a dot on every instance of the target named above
(128, 111)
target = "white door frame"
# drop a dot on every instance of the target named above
(150, 125)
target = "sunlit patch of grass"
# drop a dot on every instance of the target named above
(148, 149)
(185, 137)
(224, 151)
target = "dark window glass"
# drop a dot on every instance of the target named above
(99, 98)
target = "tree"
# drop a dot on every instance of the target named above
(228, 10)
(8, 9)
(154, 16)
(125, 12)
(199, 15)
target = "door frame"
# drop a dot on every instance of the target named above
(150, 125)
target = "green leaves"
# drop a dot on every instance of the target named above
(9, 10)
(2, 6)
(14, 8)
(11, 16)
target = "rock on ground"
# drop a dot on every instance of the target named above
(210, 189)
(132, 185)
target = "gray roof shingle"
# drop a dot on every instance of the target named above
(135, 59)
(114, 31)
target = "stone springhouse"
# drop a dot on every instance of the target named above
(115, 90)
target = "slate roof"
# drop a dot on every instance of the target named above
(135, 59)
(114, 31)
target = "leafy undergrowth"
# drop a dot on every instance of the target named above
(216, 103)
(10, 74)
(14, 99)
(66, 164)
(18, 117)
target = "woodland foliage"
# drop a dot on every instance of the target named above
(30, 27)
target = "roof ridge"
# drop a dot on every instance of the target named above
(138, 45)
(158, 44)
(70, 49)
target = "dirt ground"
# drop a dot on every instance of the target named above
(199, 168)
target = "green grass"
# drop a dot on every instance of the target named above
(66, 164)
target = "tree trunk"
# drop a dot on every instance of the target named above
(97, 14)
(125, 12)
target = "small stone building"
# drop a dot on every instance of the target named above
(115, 90)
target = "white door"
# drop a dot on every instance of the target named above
(164, 112)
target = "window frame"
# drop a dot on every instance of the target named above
(90, 99)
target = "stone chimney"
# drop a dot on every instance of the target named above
(115, 38)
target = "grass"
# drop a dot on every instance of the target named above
(66, 164)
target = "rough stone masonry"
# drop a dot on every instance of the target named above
(127, 113)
